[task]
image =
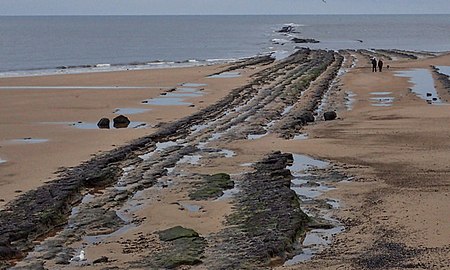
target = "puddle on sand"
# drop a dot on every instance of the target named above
(194, 84)
(423, 84)
(307, 190)
(255, 136)
(28, 141)
(75, 210)
(90, 125)
(198, 128)
(227, 153)
(316, 240)
(246, 164)
(349, 100)
(229, 193)
(160, 146)
(302, 163)
(382, 101)
(226, 75)
(130, 110)
(444, 70)
(300, 137)
(86, 125)
(287, 110)
(190, 207)
(186, 90)
(190, 159)
(183, 94)
(167, 101)
(380, 93)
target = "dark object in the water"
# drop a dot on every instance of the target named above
(305, 40)
(103, 123)
(434, 99)
(287, 29)
(429, 94)
(121, 121)
(329, 115)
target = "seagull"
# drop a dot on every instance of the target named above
(79, 258)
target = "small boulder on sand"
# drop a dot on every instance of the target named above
(329, 115)
(103, 123)
(121, 121)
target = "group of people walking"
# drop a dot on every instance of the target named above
(376, 64)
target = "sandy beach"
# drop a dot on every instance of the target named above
(385, 185)
(48, 113)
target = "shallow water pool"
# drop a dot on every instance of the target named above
(423, 84)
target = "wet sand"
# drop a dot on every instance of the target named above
(48, 113)
(393, 205)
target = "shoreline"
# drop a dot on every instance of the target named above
(275, 107)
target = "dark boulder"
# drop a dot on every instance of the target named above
(121, 122)
(307, 116)
(103, 123)
(329, 116)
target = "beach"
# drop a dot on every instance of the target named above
(236, 165)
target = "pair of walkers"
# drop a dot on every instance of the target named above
(375, 64)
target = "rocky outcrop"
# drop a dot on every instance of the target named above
(182, 246)
(266, 222)
(287, 29)
(38, 212)
(121, 121)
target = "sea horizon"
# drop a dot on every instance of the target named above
(49, 44)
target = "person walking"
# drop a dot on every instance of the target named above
(380, 65)
(374, 65)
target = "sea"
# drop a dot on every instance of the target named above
(36, 45)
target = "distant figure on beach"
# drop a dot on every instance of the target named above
(374, 65)
(380, 65)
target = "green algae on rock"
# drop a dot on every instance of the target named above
(212, 187)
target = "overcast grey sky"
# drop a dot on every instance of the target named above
(151, 7)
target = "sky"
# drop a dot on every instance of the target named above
(205, 7)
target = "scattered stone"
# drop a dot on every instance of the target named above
(103, 123)
(175, 233)
(102, 259)
(121, 121)
(307, 116)
(327, 116)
